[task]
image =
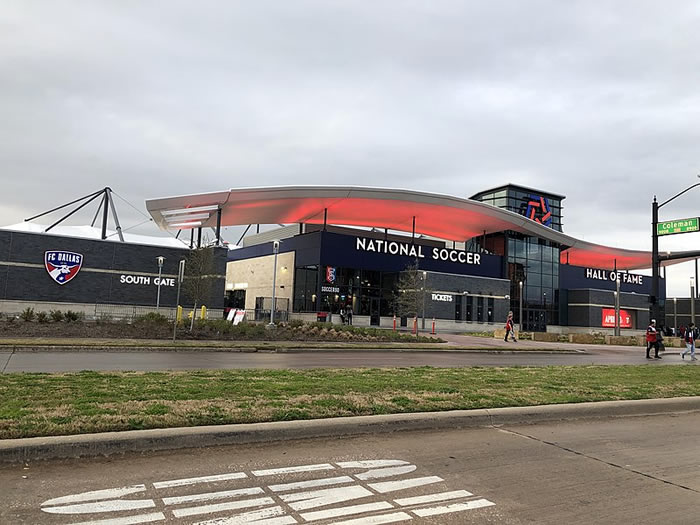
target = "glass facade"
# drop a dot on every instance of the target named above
(530, 260)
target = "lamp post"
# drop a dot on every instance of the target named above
(655, 249)
(675, 314)
(520, 314)
(275, 249)
(422, 323)
(180, 277)
(160, 260)
(692, 300)
(617, 306)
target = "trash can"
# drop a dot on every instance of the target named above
(321, 317)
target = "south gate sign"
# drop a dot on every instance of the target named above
(678, 226)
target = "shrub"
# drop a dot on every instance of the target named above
(42, 317)
(296, 323)
(27, 314)
(56, 316)
(73, 317)
(151, 317)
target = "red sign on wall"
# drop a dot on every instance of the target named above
(609, 318)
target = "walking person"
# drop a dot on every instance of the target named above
(509, 328)
(653, 340)
(690, 343)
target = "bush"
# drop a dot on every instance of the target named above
(296, 323)
(42, 317)
(27, 314)
(73, 317)
(56, 316)
(151, 317)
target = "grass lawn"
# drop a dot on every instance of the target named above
(56, 404)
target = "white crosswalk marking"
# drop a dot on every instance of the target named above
(128, 520)
(292, 470)
(96, 495)
(376, 520)
(346, 511)
(433, 498)
(203, 479)
(300, 493)
(218, 507)
(311, 483)
(391, 486)
(457, 507)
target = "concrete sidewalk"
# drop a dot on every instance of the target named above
(14, 451)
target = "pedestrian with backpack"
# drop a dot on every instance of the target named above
(690, 343)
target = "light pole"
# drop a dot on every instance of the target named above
(692, 300)
(275, 249)
(520, 314)
(425, 275)
(180, 277)
(675, 315)
(655, 249)
(160, 260)
(617, 306)
(544, 295)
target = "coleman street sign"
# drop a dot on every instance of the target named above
(678, 226)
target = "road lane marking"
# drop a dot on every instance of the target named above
(202, 479)
(298, 495)
(213, 495)
(433, 498)
(96, 495)
(219, 507)
(102, 506)
(127, 520)
(456, 507)
(311, 483)
(372, 463)
(320, 498)
(293, 470)
(391, 486)
(257, 517)
(385, 472)
(346, 511)
(376, 520)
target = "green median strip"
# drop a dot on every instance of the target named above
(86, 402)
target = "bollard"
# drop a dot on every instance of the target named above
(178, 315)
(433, 332)
(415, 325)
(203, 313)
(394, 322)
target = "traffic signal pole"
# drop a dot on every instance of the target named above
(655, 311)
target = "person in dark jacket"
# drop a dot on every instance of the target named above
(653, 340)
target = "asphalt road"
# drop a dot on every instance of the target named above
(641, 470)
(148, 360)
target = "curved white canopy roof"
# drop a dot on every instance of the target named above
(442, 216)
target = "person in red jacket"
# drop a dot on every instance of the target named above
(510, 328)
(653, 339)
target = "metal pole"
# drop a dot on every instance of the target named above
(425, 276)
(104, 218)
(692, 300)
(520, 318)
(617, 306)
(160, 260)
(675, 314)
(654, 260)
(110, 200)
(218, 227)
(275, 248)
(696, 275)
(180, 277)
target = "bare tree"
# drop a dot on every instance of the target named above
(199, 277)
(410, 292)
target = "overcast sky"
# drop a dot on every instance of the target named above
(595, 100)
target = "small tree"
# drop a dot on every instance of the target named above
(199, 277)
(410, 292)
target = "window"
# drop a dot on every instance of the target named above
(470, 309)
(480, 309)
(490, 310)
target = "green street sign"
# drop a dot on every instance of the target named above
(678, 226)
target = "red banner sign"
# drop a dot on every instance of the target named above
(609, 318)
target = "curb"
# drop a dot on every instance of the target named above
(13, 451)
(281, 350)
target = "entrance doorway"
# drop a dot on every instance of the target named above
(374, 311)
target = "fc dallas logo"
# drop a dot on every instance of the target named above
(62, 266)
(539, 205)
(330, 274)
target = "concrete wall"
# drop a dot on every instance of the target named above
(585, 308)
(255, 276)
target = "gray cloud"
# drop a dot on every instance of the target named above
(594, 100)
